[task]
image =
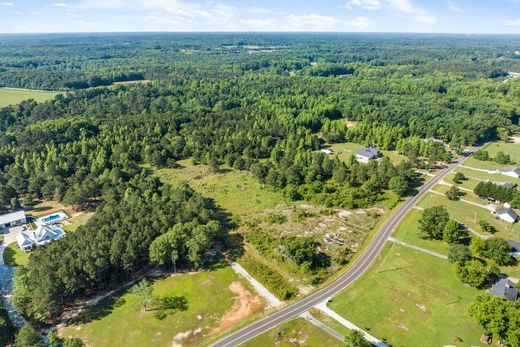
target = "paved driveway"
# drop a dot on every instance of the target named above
(6, 281)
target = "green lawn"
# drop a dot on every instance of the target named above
(493, 148)
(470, 215)
(72, 224)
(487, 176)
(13, 256)
(468, 183)
(407, 232)
(411, 299)
(344, 150)
(294, 333)
(15, 96)
(238, 192)
(211, 308)
(465, 195)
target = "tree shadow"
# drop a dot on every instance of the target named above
(101, 309)
(169, 305)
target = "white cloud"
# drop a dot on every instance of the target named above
(418, 14)
(454, 7)
(511, 22)
(258, 10)
(364, 4)
(359, 22)
(7, 3)
(310, 22)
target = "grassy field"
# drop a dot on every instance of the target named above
(411, 299)
(250, 203)
(15, 96)
(13, 256)
(469, 183)
(470, 215)
(345, 150)
(407, 232)
(215, 301)
(75, 221)
(294, 333)
(487, 176)
(493, 148)
(464, 194)
(239, 193)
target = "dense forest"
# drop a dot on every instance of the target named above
(224, 102)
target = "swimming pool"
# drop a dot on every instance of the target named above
(51, 218)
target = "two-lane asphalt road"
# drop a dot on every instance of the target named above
(352, 274)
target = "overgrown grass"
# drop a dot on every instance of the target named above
(268, 276)
(296, 332)
(512, 149)
(411, 299)
(120, 321)
(237, 192)
(15, 96)
(13, 256)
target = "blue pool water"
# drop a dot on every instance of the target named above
(50, 218)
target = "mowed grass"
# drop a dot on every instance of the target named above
(513, 149)
(15, 96)
(408, 230)
(468, 183)
(411, 298)
(471, 215)
(14, 256)
(237, 192)
(345, 150)
(464, 194)
(72, 224)
(120, 321)
(480, 175)
(294, 333)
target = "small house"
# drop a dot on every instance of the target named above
(512, 172)
(12, 219)
(504, 184)
(506, 289)
(506, 214)
(326, 151)
(365, 154)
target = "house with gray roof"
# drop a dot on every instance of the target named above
(511, 172)
(29, 239)
(365, 154)
(515, 248)
(504, 184)
(506, 214)
(12, 219)
(506, 289)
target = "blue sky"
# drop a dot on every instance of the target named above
(438, 16)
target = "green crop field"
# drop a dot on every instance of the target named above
(411, 298)
(215, 301)
(296, 332)
(15, 96)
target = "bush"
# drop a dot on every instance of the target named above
(269, 277)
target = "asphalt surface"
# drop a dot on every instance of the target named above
(351, 275)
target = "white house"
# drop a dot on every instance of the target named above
(506, 214)
(43, 234)
(326, 151)
(365, 154)
(512, 172)
(12, 219)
